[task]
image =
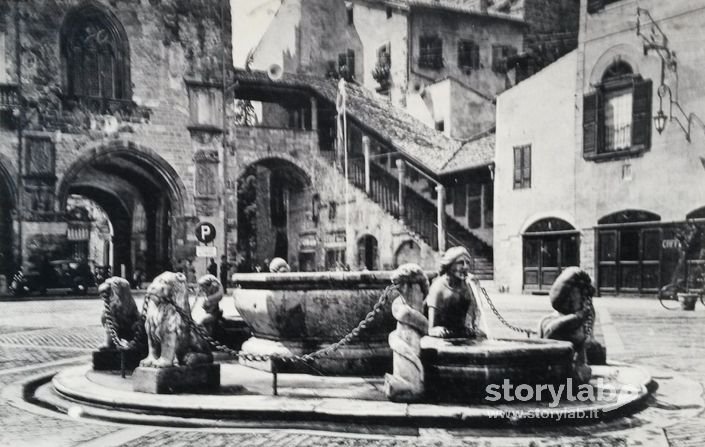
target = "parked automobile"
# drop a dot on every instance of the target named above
(61, 276)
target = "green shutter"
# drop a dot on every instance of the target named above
(641, 113)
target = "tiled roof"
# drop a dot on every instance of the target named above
(472, 154)
(462, 6)
(417, 141)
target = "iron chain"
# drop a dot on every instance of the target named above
(203, 333)
(499, 316)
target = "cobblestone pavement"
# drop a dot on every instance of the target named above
(42, 336)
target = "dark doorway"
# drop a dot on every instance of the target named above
(367, 253)
(549, 246)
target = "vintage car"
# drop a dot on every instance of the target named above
(61, 276)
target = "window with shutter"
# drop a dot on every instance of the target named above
(346, 65)
(522, 166)
(468, 55)
(617, 115)
(430, 52)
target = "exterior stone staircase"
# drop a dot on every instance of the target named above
(420, 215)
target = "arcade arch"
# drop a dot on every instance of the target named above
(7, 206)
(142, 196)
(274, 195)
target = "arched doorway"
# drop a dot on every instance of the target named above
(629, 252)
(408, 251)
(7, 205)
(367, 253)
(138, 191)
(274, 196)
(549, 245)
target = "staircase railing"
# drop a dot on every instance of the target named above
(420, 215)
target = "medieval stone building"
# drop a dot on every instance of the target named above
(120, 102)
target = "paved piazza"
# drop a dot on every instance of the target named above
(42, 336)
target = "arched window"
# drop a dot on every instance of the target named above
(617, 114)
(95, 54)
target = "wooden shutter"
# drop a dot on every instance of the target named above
(475, 55)
(351, 63)
(517, 167)
(591, 123)
(497, 58)
(526, 167)
(641, 113)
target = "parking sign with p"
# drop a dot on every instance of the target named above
(205, 232)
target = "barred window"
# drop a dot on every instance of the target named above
(468, 55)
(430, 52)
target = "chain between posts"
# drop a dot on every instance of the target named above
(499, 316)
(203, 333)
(120, 344)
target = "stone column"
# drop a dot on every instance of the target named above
(366, 151)
(441, 205)
(314, 114)
(401, 168)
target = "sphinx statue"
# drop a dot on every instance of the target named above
(171, 340)
(573, 319)
(406, 383)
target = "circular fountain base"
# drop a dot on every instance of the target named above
(353, 359)
(246, 395)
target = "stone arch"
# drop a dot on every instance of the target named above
(618, 53)
(121, 175)
(367, 254)
(177, 190)
(547, 215)
(264, 159)
(8, 195)
(408, 251)
(274, 194)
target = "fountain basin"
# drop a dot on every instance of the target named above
(292, 314)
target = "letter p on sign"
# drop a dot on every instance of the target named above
(205, 232)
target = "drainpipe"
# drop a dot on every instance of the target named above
(21, 118)
(225, 141)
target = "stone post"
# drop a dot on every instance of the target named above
(406, 383)
(441, 205)
(366, 151)
(401, 168)
(314, 114)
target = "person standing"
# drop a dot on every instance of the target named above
(213, 268)
(224, 271)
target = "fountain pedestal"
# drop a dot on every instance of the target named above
(177, 379)
(459, 369)
(112, 360)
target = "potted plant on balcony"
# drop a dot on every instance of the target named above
(382, 74)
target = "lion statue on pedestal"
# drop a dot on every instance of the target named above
(124, 316)
(172, 341)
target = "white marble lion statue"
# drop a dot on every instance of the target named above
(172, 341)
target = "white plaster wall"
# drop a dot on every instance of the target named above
(539, 112)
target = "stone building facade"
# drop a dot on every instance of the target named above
(120, 102)
(590, 179)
